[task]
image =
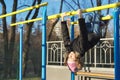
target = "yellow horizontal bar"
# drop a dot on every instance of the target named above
(24, 22)
(108, 17)
(72, 13)
(49, 17)
(23, 10)
(114, 5)
(87, 10)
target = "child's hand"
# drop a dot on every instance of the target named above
(63, 15)
(79, 12)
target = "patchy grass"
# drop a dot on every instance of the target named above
(31, 78)
(34, 78)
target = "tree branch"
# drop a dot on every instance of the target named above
(53, 25)
(69, 4)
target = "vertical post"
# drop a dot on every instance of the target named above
(116, 45)
(21, 52)
(61, 58)
(47, 54)
(72, 37)
(44, 43)
(72, 29)
(95, 56)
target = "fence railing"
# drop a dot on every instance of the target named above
(102, 55)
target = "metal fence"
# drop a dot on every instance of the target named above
(99, 56)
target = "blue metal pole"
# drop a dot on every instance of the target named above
(116, 45)
(72, 29)
(44, 43)
(21, 52)
(72, 37)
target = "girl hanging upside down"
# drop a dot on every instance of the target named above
(89, 36)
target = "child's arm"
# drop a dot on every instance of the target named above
(79, 12)
(83, 38)
(82, 25)
(65, 33)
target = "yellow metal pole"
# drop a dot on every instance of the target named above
(102, 7)
(87, 10)
(73, 13)
(108, 17)
(23, 10)
(24, 22)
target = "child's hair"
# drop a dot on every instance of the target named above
(65, 58)
(78, 61)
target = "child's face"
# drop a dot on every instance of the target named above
(73, 58)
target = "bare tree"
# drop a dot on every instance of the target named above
(12, 37)
(5, 37)
(98, 3)
(106, 28)
(53, 25)
(9, 49)
(27, 36)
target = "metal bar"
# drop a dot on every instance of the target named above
(21, 52)
(47, 53)
(116, 45)
(95, 56)
(23, 10)
(73, 13)
(61, 57)
(24, 22)
(72, 28)
(97, 75)
(108, 17)
(72, 38)
(44, 43)
(37, 19)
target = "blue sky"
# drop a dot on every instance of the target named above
(9, 8)
(53, 6)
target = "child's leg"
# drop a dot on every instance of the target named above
(83, 38)
(96, 24)
(89, 22)
(83, 29)
(93, 38)
(65, 34)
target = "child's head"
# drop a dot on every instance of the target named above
(73, 61)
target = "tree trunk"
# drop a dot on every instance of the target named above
(12, 37)
(106, 27)
(5, 37)
(27, 40)
(53, 25)
(99, 4)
